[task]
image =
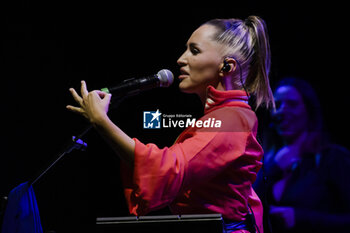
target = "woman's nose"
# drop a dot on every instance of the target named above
(182, 60)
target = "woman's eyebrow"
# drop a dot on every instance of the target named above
(192, 44)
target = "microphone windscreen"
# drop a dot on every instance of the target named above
(165, 77)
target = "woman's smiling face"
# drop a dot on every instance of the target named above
(291, 114)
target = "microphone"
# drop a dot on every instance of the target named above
(164, 78)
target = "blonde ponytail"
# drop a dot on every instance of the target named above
(247, 42)
(257, 81)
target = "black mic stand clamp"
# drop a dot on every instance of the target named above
(76, 143)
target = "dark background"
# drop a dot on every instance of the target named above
(49, 46)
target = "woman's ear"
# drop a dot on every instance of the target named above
(228, 66)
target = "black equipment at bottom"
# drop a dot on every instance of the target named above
(199, 223)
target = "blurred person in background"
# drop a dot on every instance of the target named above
(304, 184)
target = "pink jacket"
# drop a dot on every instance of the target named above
(207, 170)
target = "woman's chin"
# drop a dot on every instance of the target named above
(186, 89)
(183, 86)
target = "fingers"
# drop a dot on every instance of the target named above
(103, 94)
(84, 93)
(89, 101)
(83, 89)
(105, 98)
(76, 97)
(75, 109)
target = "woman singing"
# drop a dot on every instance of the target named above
(205, 170)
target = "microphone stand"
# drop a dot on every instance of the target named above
(76, 142)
